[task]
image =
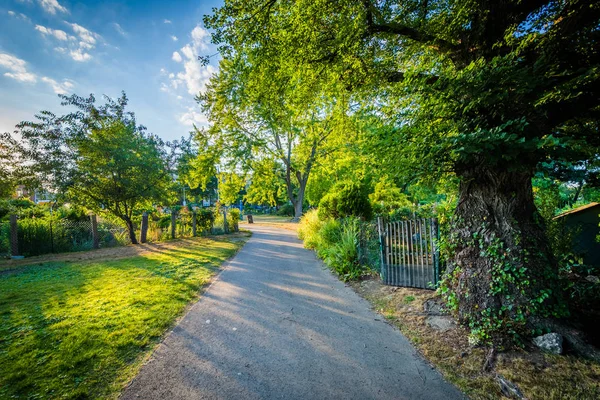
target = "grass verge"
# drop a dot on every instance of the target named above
(74, 329)
(538, 375)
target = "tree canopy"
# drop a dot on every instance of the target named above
(491, 92)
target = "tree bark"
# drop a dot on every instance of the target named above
(130, 229)
(502, 271)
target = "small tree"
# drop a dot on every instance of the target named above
(96, 156)
(120, 170)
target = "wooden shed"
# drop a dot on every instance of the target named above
(585, 221)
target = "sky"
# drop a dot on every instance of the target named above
(147, 48)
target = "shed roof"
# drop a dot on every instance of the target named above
(578, 209)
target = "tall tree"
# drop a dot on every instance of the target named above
(484, 89)
(265, 115)
(96, 156)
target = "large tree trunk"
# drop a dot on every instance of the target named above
(298, 205)
(502, 272)
(130, 229)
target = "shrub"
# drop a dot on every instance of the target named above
(335, 241)
(308, 229)
(205, 219)
(233, 219)
(328, 235)
(342, 257)
(286, 210)
(345, 200)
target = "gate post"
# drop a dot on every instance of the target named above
(95, 238)
(225, 224)
(435, 229)
(144, 228)
(194, 228)
(173, 223)
(14, 238)
(382, 250)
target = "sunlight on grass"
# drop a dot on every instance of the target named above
(81, 330)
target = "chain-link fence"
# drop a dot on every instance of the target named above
(37, 236)
(4, 239)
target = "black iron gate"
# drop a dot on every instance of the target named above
(409, 253)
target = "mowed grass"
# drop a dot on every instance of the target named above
(78, 330)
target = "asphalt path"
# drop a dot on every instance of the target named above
(277, 325)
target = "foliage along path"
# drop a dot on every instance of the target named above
(276, 324)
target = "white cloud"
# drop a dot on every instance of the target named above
(200, 38)
(179, 97)
(85, 34)
(188, 52)
(195, 76)
(59, 88)
(119, 29)
(57, 33)
(86, 40)
(52, 6)
(174, 38)
(163, 71)
(192, 117)
(17, 68)
(20, 16)
(80, 55)
(164, 87)
(167, 21)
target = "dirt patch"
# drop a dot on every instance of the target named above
(292, 226)
(537, 375)
(114, 253)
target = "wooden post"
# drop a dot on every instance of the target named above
(225, 224)
(194, 228)
(14, 238)
(250, 219)
(144, 229)
(173, 223)
(95, 237)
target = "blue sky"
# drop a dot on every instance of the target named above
(147, 48)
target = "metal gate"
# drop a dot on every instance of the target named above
(409, 253)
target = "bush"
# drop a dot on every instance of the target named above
(233, 219)
(308, 229)
(335, 241)
(342, 257)
(328, 235)
(347, 199)
(286, 211)
(205, 219)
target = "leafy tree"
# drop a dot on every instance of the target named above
(7, 183)
(120, 171)
(254, 116)
(486, 90)
(97, 156)
(267, 185)
(230, 185)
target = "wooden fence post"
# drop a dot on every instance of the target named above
(144, 229)
(194, 228)
(14, 238)
(95, 237)
(173, 223)
(225, 224)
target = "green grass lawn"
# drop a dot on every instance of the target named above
(77, 330)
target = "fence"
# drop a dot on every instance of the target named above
(38, 236)
(409, 254)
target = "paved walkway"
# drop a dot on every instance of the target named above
(277, 325)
